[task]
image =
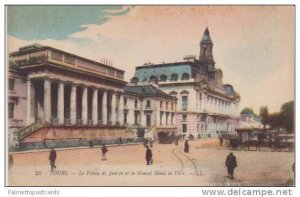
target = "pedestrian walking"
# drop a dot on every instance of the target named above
(186, 146)
(221, 140)
(149, 159)
(176, 140)
(52, 159)
(104, 151)
(231, 164)
(10, 160)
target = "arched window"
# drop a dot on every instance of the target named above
(174, 77)
(135, 80)
(163, 78)
(153, 79)
(185, 76)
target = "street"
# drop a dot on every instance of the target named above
(204, 165)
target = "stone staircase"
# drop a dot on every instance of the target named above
(26, 131)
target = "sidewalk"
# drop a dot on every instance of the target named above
(73, 148)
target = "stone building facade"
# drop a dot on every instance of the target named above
(68, 97)
(56, 98)
(205, 106)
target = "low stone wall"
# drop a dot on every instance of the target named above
(62, 136)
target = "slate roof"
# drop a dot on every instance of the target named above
(147, 91)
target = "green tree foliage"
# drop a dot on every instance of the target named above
(247, 110)
(264, 113)
(287, 116)
(283, 119)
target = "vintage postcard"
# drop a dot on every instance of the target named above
(152, 95)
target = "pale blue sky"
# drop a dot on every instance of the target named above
(253, 45)
(56, 22)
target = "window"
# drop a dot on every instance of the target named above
(135, 103)
(135, 80)
(11, 107)
(172, 116)
(11, 84)
(148, 103)
(163, 78)
(153, 79)
(125, 101)
(160, 119)
(184, 129)
(184, 103)
(125, 118)
(167, 105)
(174, 77)
(185, 76)
(136, 116)
(183, 117)
(148, 120)
(160, 105)
(172, 106)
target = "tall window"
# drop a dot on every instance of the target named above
(184, 129)
(160, 105)
(167, 105)
(184, 103)
(125, 101)
(11, 84)
(125, 118)
(136, 116)
(148, 120)
(148, 103)
(183, 117)
(11, 107)
(135, 103)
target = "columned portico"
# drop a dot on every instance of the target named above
(30, 102)
(113, 108)
(84, 105)
(121, 110)
(73, 110)
(47, 100)
(104, 107)
(60, 103)
(95, 107)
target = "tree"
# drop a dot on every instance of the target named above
(264, 113)
(247, 110)
(287, 116)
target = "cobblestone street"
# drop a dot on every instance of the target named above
(204, 165)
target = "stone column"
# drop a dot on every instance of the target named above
(73, 112)
(142, 122)
(84, 107)
(30, 102)
(113, 108)
(104, 108)
(121, 110)
(95, 107)
(60, 103)
(47, 100)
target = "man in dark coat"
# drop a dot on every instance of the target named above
(104, 151)
(52, 158)
(149, 156)
(221, 140)
(186, 146)
(231, 164)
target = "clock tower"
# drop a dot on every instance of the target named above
(206, 54)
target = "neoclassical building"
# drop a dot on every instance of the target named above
(68, 97)
(149, 110)
(56, 98)
(206, 106)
